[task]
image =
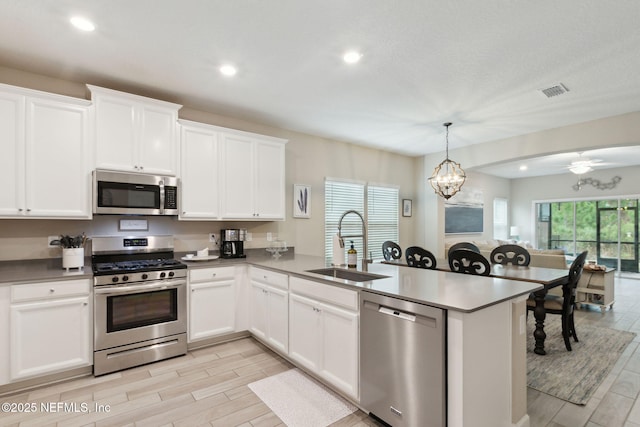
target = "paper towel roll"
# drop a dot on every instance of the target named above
(338, 252)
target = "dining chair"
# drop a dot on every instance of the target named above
(469, 262)
(391, 250)
(463, 245)
(420, 257)
(510, 254)
(564, 305)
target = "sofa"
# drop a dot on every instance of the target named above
(549, 258)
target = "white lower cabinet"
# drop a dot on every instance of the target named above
(323, 332)
(212, 302)
(51, 327)
(269, 313)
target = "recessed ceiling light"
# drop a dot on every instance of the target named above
(228, 70)
(352, 57)
(524, 167)
(82, 23)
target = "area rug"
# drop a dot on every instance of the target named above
(300, 401)
(573, 375)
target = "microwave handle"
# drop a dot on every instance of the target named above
(161, 196)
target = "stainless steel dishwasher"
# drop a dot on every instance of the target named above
(403, 361)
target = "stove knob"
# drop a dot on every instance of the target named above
(114, 279)
(162, 275)
(145, 276)
(171, 273)
(125, 278)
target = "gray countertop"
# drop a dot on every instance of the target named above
(452, 291)
(39, 270)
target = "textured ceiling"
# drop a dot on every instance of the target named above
(476, 63)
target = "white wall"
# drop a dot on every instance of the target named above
(309, 159)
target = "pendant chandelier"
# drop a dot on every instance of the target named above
(448, 176)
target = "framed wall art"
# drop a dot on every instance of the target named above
(301, 201)
(407, 207)
(464, 213)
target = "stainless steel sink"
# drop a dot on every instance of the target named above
(354, 276)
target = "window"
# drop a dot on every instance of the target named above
(608, 228)
(382, 218)
(500, 219)
(381, 215)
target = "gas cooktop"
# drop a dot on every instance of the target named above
(142, 265)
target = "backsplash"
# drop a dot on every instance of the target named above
(22, 239)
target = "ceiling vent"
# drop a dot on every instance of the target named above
(554, 90)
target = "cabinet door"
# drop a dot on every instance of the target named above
(270, 191)
(340, 348)
(50, 336)
(12, 159)
(278, 319)
(237, 179)
(212, 309)
(57, 160)
(158, 140)
(199, 173)
(115, 125)
(304, 330)
(258, 310)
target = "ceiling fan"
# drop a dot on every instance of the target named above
(583, 164)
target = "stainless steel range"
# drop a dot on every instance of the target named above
(140, 302)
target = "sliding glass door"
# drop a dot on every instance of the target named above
(608, 229)
(618, 234)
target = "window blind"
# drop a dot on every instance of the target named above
(339, 197)
(381, 214)
(500, 220)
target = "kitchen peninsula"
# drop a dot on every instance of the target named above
(485, 324)
(486, 333)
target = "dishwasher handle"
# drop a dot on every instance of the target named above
(397, 313)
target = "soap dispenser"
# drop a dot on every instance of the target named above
(352, 257)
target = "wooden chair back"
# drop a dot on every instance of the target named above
(510, 254)
(469, 262)
(420, 257)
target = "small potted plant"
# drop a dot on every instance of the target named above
(72, 250)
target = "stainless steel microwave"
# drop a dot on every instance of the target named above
(127, 193)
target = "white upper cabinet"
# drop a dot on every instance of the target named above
(46, 155)
(135, 133)
(199, 171)
(252, 176)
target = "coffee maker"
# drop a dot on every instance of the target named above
(232, 243)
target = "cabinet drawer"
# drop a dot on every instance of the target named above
(208, 274)
(269, 277)
(331, 294)
(50, 290)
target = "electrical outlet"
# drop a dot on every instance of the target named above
(213, 238)
(269, 237)
(248, 237)
(51, 239)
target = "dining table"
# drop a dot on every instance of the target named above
(549, 278)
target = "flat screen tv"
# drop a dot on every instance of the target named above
(463, 219)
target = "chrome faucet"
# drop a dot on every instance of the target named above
(365, 261)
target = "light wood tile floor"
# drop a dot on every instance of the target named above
(616, 402)
(209, 387)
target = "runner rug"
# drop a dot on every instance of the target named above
(573, 375)
(300, 401)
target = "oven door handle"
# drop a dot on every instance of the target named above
(166, 284)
